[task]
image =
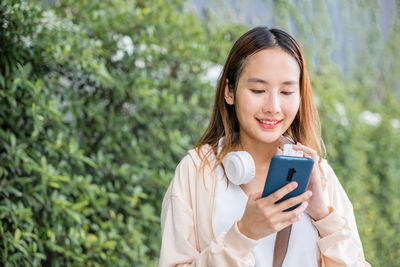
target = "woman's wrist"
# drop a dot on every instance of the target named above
(240, 228)
(320, 214)
(243, 231)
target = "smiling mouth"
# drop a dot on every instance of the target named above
(269, 122)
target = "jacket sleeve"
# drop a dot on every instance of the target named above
(339, 242)
(180, 246)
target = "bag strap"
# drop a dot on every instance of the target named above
(281, 246)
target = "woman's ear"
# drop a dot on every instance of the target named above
(229, 96)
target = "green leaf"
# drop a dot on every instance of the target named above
(2, 82)
(17, 235)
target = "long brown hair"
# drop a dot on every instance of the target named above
(305, 127)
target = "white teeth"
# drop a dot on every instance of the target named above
(269, 122)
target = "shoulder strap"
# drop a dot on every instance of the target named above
(281, 246)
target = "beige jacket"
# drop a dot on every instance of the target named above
(187, 231)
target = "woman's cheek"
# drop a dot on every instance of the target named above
(292, 107)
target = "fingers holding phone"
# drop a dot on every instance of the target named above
(263, 216)
(318, 207)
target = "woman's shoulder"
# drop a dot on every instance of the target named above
(190, 166)
(200, 154)
(188, 175)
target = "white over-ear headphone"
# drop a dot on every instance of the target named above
(240, 168)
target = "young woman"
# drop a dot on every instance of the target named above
(264, 95)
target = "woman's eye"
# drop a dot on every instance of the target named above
(257, 91)
(287, 92)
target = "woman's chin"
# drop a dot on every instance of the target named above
(273, 139)
(261, 138)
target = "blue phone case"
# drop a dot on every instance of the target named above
(285, 169)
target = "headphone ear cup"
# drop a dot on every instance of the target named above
(239, 167)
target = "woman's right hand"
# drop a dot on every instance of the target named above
(263, 217)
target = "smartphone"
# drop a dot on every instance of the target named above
(286, 169)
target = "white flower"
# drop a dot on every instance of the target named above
(129, 108)
(116, 37)
(27, 41)
(98, 43)
(212, 74)
(126, 44)
(370, 118)
(50, 21)
(158, 49)
(117, 56)
(344, 121)
(142, 47)
(65, 82)
(341, 110)
(395, 123)
(48, 18)
(140, 64)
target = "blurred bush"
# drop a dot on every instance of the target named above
(99, 100)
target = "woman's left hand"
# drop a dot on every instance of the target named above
(317, 205)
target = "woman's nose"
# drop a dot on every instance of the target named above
(272, 103)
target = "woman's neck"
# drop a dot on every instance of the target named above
(262, 155)
(260, 152)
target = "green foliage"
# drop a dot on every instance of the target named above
(98, 103)
(99, 100)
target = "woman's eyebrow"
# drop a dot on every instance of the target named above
(259, 80)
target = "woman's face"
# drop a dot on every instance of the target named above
(267, 97)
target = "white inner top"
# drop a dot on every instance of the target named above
(230, 203)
